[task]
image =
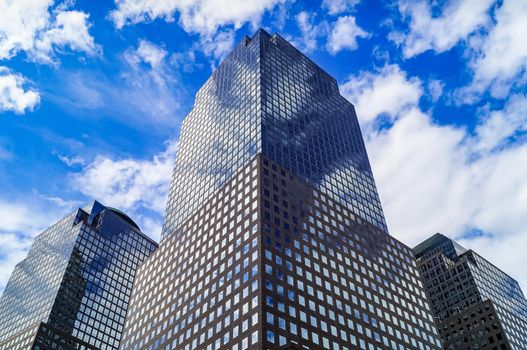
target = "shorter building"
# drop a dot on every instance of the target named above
(476, 305)
(73, 288)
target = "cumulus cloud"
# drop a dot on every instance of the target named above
(441, 178)
(344, 35)
(440, 33)
(335, 7)
(502, 55)
(387, 92)
(129, 184)
(195, 16)
(203, 17)
(137, 186)
(494, 34)
(15, 96)
(40, 29)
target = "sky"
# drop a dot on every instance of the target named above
(92, 95)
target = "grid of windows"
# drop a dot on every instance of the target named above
(218, 136)
(200, 289)
(458, 280)
(274, 234)
(30, 292)
(76, 280)
(331, 281)
(310, 129)
(266, 97)
(477, 327)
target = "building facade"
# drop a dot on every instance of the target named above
(274, 236)
(476, 305)
(73, 288)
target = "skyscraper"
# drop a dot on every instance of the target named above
(73, 288)
(476, 305)
(274, 234)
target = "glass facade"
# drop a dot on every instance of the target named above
(311, 130)
(274, 236)
(476, 305)
(267, 97)
(331, 280)
(73, 288)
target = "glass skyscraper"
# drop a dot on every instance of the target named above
(274, 234)
(476, 305)
(73, 288)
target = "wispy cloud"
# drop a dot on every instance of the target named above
(145, 91)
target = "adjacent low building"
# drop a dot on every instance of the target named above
(73, 288)
(476, 305)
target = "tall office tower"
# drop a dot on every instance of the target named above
(274, 234)
(476, 305)
(73, 288)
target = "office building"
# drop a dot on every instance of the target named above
(476, 305)
(73, 288)
(274, 234)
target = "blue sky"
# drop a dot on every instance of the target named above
(92, 95)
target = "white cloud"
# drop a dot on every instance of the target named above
(309, 30)
(335, 7)
(14, 96)
(208, 18)
(39, 28)
(138, 187)
(495, 130)
(185, 60)
(149, 53)
(72, 161)
(344, 35)
(195, 16)
(502, 55)
(457, 21)
(435, 89)
(20, 23)
(439, 178)
(129, 184)
(387, 91)
(220, 45)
